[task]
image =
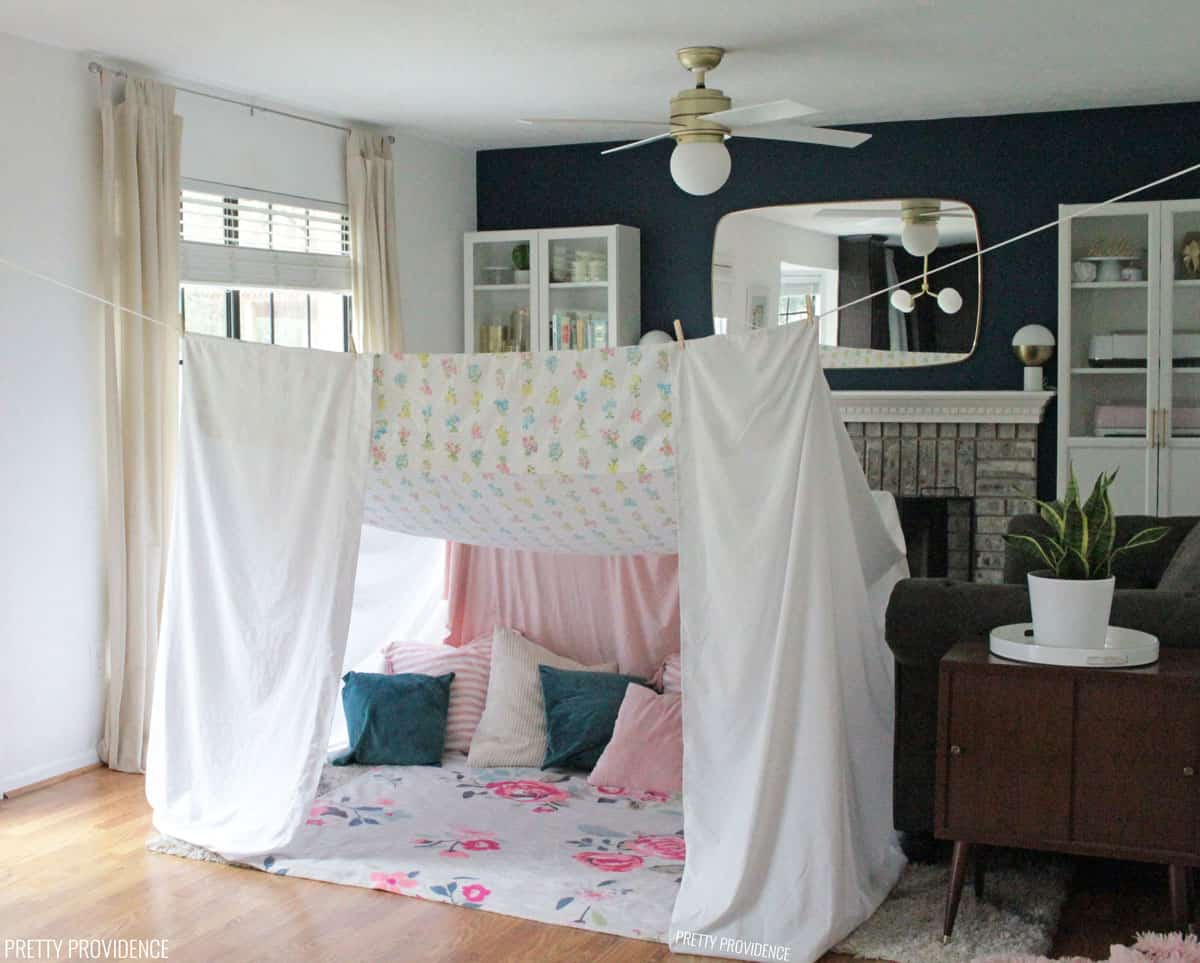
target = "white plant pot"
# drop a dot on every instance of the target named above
(1070, 612)
(520, 277)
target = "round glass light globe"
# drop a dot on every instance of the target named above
(920, 238)
(655, 336)
(700, 168)
(949, 300)
(902, 301)
(1033, 335)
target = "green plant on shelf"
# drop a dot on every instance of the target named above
(520, 257)
(1083, 540)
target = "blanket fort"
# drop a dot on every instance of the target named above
(729, 451)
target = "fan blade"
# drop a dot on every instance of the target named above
(828, 136)
(637, 143)
(579, 122)
(768, 113)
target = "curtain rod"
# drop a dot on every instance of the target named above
(98, 68)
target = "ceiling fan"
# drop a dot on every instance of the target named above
(703, 117)
(919, 215)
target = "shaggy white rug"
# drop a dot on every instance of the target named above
(1018, 915)
(171, 846)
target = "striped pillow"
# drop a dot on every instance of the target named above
(471, 665)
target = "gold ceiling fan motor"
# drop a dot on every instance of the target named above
(689, 106)
(915, 210)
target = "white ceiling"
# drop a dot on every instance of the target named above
(464, 70)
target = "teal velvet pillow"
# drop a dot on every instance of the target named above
(395, 720)
(581, 711)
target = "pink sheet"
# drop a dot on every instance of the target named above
(591, 608)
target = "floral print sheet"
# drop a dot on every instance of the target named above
(539, 844)
(562, 451)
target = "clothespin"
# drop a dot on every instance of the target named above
(679, 332)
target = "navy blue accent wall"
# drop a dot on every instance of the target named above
(1014, 170)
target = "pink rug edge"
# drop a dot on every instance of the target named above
(1149, 948)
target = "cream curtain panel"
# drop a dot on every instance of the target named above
(140, 251)
(375, 322)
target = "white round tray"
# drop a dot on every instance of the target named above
(1122, 648)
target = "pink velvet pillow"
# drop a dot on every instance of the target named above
(646, 750)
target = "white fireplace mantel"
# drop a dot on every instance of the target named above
(962, 407)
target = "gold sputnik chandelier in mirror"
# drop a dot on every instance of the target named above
(919, 237)
(948, 299)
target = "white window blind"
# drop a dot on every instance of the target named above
(254, 239)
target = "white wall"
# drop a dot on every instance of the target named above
(230, 145)
(51, 532)
(754, 247)
(435, 194)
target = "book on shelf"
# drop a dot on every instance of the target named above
(576, 330)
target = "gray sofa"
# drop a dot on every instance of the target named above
(926, 617)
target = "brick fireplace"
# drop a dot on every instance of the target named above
(977, 450)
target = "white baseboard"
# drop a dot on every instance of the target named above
(27, 777)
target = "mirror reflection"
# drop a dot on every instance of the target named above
(769, 262)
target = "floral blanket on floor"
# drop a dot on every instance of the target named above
(540, 844)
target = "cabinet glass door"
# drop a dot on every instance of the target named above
(1112, 342)
(1113, 350)
(580, 272)
(503, 297)
(1179, 397)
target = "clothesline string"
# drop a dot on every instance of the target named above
(20, 268)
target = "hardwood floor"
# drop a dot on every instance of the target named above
(73, 865)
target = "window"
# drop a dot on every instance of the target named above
(302, 319)
(266, 268)
(267, 225)
(794, 289)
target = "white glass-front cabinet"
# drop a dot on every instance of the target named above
(1129, 353)
(546, 290)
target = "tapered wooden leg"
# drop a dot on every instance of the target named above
(958, 875)
(980, 870)
(1177, 877)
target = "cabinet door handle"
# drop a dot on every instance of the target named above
(1189, 771)
(1152, 432)
(956, 750)
(1162, 427)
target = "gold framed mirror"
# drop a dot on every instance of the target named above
(767, 261)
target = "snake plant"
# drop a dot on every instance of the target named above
(1082, 543)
